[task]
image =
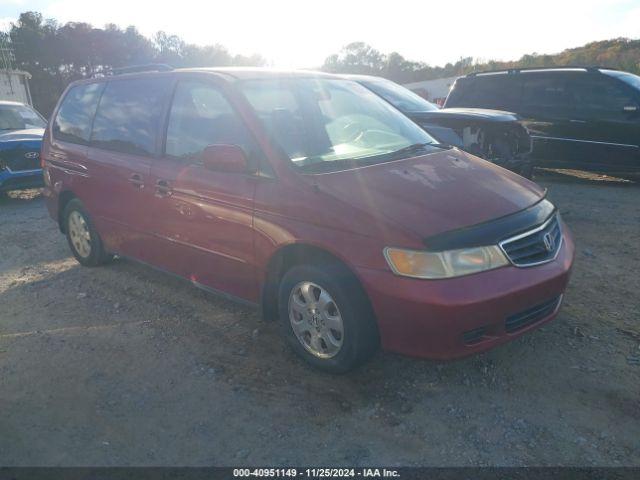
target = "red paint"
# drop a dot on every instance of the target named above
(221, 229)
(428, 319)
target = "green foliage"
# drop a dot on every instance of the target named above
(58, 54)
(361, 58)
(621, 53)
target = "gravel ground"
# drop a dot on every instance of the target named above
(123, 365)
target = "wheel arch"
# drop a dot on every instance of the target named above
(288, 256)
(64, 198)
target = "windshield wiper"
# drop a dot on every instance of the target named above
(417, 148)
(344, 163)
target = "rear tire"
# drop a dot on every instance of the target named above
(326, 318)
(84, 241)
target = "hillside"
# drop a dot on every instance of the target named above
(358, 57)
(621, 53)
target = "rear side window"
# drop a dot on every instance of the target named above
(547, 93)
(130, 115)
(73, 121)
(499, 92)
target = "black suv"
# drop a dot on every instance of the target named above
(578, 117)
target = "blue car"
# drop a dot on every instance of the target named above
(21, 132)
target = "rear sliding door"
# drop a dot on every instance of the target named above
(547, 112)
(124, 141)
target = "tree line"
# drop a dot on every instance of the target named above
(358, 57)
(57, 54)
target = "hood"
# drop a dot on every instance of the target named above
(434, 193)
(21, 135)
(473, 114)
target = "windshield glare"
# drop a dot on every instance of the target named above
(19, 117)
(330, 121)
(400, 97)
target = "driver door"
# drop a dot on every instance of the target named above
(606, 132)
(205, 217)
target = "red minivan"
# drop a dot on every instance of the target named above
(310, 196)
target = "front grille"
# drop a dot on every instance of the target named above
(536, 246)
(531, 315)
(19, 159)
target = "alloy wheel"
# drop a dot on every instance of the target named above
(316, 320)
(79, 233)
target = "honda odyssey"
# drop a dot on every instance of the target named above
(309, 195)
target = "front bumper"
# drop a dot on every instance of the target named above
(20, 180)
(447, 319)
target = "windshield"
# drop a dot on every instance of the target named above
(326, 124)
(19, 117)
(628, 78)
(400, 97)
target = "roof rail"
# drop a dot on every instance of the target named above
(150, 67)
(588, 68)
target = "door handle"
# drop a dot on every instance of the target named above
(577, 121)
(163, 189)
(136, 181)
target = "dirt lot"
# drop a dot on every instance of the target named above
(123, 365)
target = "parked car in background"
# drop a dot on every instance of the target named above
(311, 196)
(584, 118)
(21, 131)
(496, 136)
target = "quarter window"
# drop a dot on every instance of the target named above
(130, 114)
(73, 121)
(500, 92)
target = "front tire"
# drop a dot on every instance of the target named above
(84, 241)
(326, 317)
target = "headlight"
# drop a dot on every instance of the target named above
(451, 263)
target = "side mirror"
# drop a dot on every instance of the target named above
(225, 158)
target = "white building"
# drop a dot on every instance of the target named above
(14, 86)
(435, 91)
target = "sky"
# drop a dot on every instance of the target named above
(302, 33)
